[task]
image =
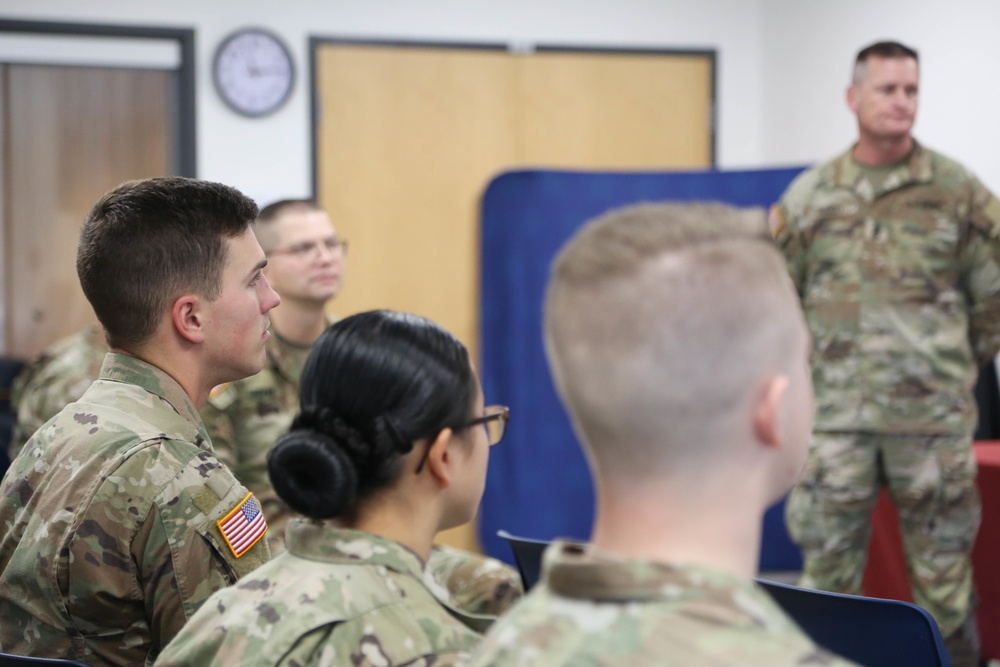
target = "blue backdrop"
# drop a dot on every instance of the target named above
(538, 483)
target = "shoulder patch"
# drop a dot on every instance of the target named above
(243, 526)
(775, 221)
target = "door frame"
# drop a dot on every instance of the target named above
(514, 47)
(186, 148)
(184, 123)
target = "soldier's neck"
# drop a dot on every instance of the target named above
(875, 152)
(297, 322)
(680, 529)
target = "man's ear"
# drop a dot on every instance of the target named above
(767, 410)
(852, 97)
(188, 318)
(439, 458)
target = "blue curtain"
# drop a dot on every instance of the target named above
(538, 483)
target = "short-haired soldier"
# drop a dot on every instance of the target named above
(117, 519)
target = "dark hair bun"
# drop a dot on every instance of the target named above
(314, 468)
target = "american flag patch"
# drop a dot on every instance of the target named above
(243, 526)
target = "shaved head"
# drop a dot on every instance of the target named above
(661, 321)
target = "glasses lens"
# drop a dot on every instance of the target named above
(497, 422)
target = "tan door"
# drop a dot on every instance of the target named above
(409, 137)
(71, 133)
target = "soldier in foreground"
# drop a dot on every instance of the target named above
(118, 520)
(390, 446)
(895, 252)
(694, 417)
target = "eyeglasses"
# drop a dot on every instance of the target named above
(494, 420)
(311, 249)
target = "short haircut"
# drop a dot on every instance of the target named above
(374, 384)
(263, 228)
(660, 321)
(147, 242)
(880, 50)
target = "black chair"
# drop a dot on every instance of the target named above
(528, 556)
(988, 399)
(7, 660)
(870, 631)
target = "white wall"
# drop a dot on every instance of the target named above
(809, 48)
(270, 157)
(783, 65)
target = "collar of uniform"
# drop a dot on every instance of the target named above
(321, 541)
(132, 370)
(846, 173)
(579, 571)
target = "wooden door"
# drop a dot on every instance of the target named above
(71, 133)
(409, 137)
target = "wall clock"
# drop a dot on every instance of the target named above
(253, 72)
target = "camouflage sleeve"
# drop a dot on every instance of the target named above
(981, 273)
(182, 555)
(476, 583)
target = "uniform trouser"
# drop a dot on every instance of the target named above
(931, 481)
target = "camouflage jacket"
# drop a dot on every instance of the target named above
(245, 418)
(476, 583)
(335, 597)
(594, 610)
(900, 283)
(110, 540)
(53, 380)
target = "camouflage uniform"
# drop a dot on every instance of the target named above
(898, 269)
(477, 584)
(335, 597)
(110, 541)
(591, 609)
(53, 380)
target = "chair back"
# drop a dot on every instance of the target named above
(870, 631)
(8, 660)
(528, 556)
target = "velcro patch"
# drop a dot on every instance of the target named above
(775, 221)
(243, 527)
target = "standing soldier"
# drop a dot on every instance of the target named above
(895, 252)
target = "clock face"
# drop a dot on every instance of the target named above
(253, 72)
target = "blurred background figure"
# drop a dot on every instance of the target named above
(895, 252)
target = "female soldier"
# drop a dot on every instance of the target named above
(389, 448)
